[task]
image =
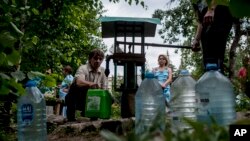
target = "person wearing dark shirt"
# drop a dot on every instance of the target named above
(214, 25)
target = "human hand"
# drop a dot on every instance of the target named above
(65, 90)
(209, 17)
(196, 46)
(163, 85)
(93, 85)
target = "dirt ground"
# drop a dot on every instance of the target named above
(87, 137)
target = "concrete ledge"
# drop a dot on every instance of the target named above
(59, 127)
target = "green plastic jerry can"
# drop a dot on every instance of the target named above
(98, 104)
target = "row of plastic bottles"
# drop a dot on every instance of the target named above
(209, 99)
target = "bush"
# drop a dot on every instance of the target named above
(115, 111)
(198, 132)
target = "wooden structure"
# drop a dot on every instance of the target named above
(129, 42)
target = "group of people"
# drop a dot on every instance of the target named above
(73, 90)
(214, 25)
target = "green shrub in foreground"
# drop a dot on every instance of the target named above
(199, 132)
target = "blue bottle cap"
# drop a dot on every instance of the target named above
(31, 83)
(184, 72)
(210, 66)
(149, 75)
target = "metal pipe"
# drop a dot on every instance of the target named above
(108, 57)
(157, 45)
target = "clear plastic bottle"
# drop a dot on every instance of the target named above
(31, 115)
(216, 97)
(184, 103)
(149, 105)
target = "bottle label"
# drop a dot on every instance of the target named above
(204, 99)
(27, 113)
(93, 103)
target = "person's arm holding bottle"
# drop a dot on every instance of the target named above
(206, 20)
(169, 79)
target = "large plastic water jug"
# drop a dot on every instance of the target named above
(31, 115)
(149, 105)
(183, 102)
(98, 104)
(216, 97)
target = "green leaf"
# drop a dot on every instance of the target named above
(6, 39)
(16, 88)
(16, 29)
(2, 58)
(35, 11)
(33, 74)
(34, 40)
(27, 7)
(4, 90)
(109, 136)
(9, 63)
(4, 76)
(14, 57)
(19, 75)
(49, 81)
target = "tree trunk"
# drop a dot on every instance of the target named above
(238, 34)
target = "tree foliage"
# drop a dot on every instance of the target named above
(36, 35)
(179, 22)
(40, 35)
(141, 2)
(47, 34)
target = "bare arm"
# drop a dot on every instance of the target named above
(198, 32)
(81, 80)
(170, 78)
(197, 38)
(209, 16)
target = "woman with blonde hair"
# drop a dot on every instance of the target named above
(164, 75)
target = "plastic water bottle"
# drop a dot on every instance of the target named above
(149, 105)
(31, 115)
(216, 97)
(184, 103)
